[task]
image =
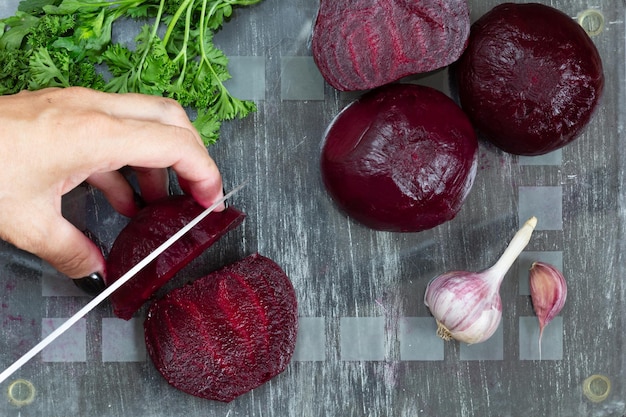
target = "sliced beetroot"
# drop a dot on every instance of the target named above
(262, 274)
(227, 333)
(362, 44)
(401, 158)
(152, 226)
(530, 78)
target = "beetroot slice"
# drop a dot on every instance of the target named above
(227, 333)
(152, 226)
(362, 44)
(530, 78)
(402, 158)
(278, 302)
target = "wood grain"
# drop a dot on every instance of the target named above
(342, 269)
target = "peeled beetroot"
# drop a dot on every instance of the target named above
(152, 226)
(226, 333)
(401, 158)
(362, 44)
(530, 78)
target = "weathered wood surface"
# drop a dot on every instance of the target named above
(342, 270)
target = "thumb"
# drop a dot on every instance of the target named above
(69, 251)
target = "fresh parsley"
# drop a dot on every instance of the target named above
(64, 43)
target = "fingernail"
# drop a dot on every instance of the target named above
(92, 284)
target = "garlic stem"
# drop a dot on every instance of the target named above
(512, 251)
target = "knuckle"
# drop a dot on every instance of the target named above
(170, 104)
(74, 93)
(175, 111)
(74, 90)
(184, 136)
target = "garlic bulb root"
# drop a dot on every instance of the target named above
(443, 332)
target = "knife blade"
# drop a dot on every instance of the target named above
(114, 286)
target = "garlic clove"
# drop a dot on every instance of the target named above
(548, 292)
(467, 305)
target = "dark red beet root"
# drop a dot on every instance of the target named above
(362, 44)
(226, 333)
(152, 226)
(530, 78)
(402, 158)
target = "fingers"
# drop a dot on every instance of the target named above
(131, 106)
(153, 183)
(55, 240)
(116, 190)
(154, 145)
(206, 187)
(71, 252)
(150, 133)
(58, 138)
(142, 131)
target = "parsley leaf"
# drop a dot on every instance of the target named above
(48, 71)
(62, 42)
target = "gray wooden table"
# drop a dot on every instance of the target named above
(366, 345)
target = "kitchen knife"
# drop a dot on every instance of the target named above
(114, 286)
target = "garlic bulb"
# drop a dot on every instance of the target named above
(467, 305)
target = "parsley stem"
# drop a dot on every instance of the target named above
(203, 24)
(183, 49)
(107, 4)
(157, 20)
(170, 27)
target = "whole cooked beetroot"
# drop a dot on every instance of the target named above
(152, 226)
(530, 78)
(401, 158)
(362, 44)
(226, 333)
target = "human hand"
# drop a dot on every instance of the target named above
(52, 140)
